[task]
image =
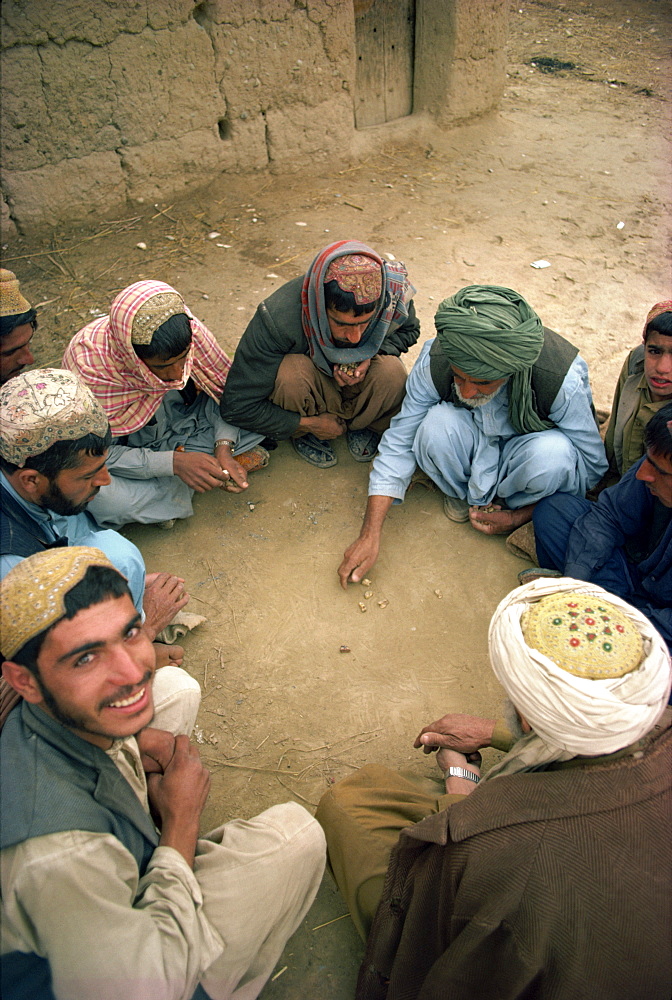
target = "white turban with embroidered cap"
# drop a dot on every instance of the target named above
(588, 671)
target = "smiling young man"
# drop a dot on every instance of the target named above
(107, 890)
(320, 357)
(623, 542)
(644, 387)
(18, 323)
(158, 373)
(498, 413)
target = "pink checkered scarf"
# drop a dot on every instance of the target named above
(102, 355)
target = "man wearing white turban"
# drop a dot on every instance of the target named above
(551, 879)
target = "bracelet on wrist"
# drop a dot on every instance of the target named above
(226, 441)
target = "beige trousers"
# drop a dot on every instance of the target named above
(258, 877)
(304, 389)
(362, 817)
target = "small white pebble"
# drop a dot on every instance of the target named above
(213, 235)
(141, 246)
(300, 223)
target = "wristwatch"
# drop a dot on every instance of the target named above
(461, 772)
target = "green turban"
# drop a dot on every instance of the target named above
(490, 333)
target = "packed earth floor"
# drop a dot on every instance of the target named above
(573, 169)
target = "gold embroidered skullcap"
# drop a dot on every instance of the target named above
(32, 594)
(153, 313)
(12, 302)
(43, 406)
(586, 636)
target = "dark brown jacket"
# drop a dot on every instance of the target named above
(549, 885)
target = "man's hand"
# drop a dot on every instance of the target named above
(463, 733)
(236, 476)
(358, 559)
(199, 471)
(156, 749)
(362, 554)
(164, 596)
(178, 797)
(326, 426)
(344, 379)
(470, 762)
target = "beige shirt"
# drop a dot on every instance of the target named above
(76, 899)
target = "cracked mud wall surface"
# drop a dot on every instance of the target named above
(117, 101)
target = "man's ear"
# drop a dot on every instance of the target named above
(23, 681)
(31, 483)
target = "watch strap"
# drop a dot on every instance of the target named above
(462, 772)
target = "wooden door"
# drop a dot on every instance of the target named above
(384, 37)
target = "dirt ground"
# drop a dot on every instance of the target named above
(573, 168)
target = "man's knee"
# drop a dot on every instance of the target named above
(177, 698)
(296, 370)
(442, 429)
(389, 370)
(559, 508)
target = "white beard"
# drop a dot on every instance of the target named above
(480, 399)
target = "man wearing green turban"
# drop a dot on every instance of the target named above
(498, 413)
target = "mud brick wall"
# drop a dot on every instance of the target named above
(106, 102)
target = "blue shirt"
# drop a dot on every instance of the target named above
(625, 513)
(571, 412)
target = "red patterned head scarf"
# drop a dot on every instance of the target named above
(102, 355)
(358, 269)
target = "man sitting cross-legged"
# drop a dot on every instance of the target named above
(54, 438)
(498, 413)
(107, 889)
(548, 878)
(158, 373)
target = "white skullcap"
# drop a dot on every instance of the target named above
(578, 716)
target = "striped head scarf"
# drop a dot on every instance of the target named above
(395, 293)
(490, 332)
(102, 355)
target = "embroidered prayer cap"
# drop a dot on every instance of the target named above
(43, 406)
(587, 637)
(152, 313)
(657, 310)
(32, 594)
(576, 699)
(12, 302)
(359, 274)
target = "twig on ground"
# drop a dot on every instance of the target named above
(327, 922)
(298, 794)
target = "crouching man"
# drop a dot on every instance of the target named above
(548, 877)
(107, 890)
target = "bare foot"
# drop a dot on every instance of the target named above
(167, 656)
(497, 520)
(164, 597)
